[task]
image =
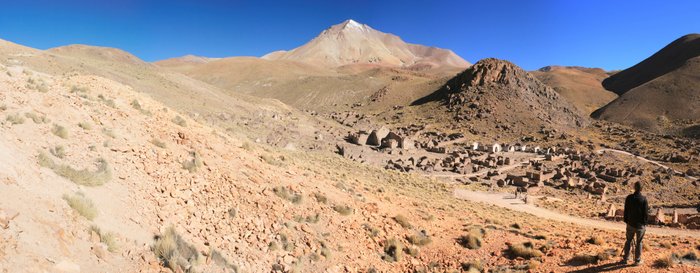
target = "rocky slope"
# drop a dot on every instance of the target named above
(580, 86)
(353, 43)
(660, 94)
(498, 94)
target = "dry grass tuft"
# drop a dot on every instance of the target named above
(596, 240)
(83, 177)
(664, 262)
(107, 238)
(320, 198)
(343, 209)
(106, 101)
(15, 119)
(137, 106)
(393, 250)
(473, 267)
(287, 194)
(174, 252)
(180, 121)
(403, 221)
(158, 143)
(419, 239)
(524, 250)
(81, 204)
(194, 164)
(85, 126)
(36, 118)
(473, 239)
(58, 151)
(60, 131)
(109, 132)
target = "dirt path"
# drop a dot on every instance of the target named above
(641, 159)
(507, 200)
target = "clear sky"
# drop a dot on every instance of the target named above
(610, 34)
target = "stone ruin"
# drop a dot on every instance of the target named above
(382, 138)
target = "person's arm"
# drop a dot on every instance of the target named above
(645, 207)
(627, 209)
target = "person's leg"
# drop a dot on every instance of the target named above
(629, 235)
(638, 249)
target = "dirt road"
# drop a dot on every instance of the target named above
(507, 200)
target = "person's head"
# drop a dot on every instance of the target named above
(638, 186)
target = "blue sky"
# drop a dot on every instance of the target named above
(609, 34)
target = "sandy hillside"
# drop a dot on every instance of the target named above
(659, 94)
(580, 86)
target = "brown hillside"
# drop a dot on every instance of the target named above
(496, 93)
(661, 94)
(666, 60)
(580, 86)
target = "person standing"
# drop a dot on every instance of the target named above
(636, 216)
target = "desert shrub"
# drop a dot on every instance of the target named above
(106, 101)
(287, 194)
(158, 143)
(691, 256)
(583, 259)
(412, 251)
(325, 252)
(38, 85)
(109, 132)
(3, 107)
(36, 118)
(596, 240)
(664, 262)
(273, 246)
(287, 245)
(180, 121)
(83, 177)
(373, 231)
(174, 252)
(524, 250)
(403, 221)
(314, 218)
(15, 119)
(393, 250)
(58, 151)
(85, 126)
(473, 267)
(419, 239)
(320, 198)
(194, 164)
(247, 146)
(221, 261)
(60, 131)
(137, 106)
(665, 245)
(272, 160)
(473, 239)
(107, 238)
(343, 209)
(81, 204)
(78, 89)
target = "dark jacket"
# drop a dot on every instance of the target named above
(636, 210)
